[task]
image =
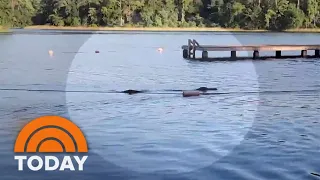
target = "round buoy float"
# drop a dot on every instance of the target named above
(50, 53)
(97, 51)
(190, 93)
(160, 50)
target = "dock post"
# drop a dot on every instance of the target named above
(194, 44)
(256, 54)
(189, 48)
(185, 53)
(303, 53)
(278, 54)
(194, 53)
(317, 53)
(204, 54)
(233, 55)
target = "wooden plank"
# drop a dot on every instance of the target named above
(256, 48)
(249, 58)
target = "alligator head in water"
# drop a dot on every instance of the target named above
(204, 89)
(130, 91)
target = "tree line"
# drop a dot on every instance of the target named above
(245, 14)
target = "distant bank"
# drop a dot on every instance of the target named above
(159, 29)
(4, 30)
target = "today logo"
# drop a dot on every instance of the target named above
(50, 134)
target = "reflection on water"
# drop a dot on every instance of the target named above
(145, 136)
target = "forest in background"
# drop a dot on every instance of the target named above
(244, 14)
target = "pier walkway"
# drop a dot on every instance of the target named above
(189, 51)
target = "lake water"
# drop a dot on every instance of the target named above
(264, 126)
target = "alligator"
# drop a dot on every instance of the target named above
(130, 91)
(204, 89)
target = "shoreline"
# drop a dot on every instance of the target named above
(161, 29)
(4, 30)
(150, 29)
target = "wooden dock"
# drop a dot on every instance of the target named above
(189, 51)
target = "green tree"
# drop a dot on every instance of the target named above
(313, 12)
(247, 14)
(93, 19)
(111, 13)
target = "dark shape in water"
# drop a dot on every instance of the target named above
(130, 91)
(315, 174)
(204, 89)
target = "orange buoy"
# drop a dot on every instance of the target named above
(50, 53)
(190, 93)
(97, 51)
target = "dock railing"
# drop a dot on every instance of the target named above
(191, 49)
